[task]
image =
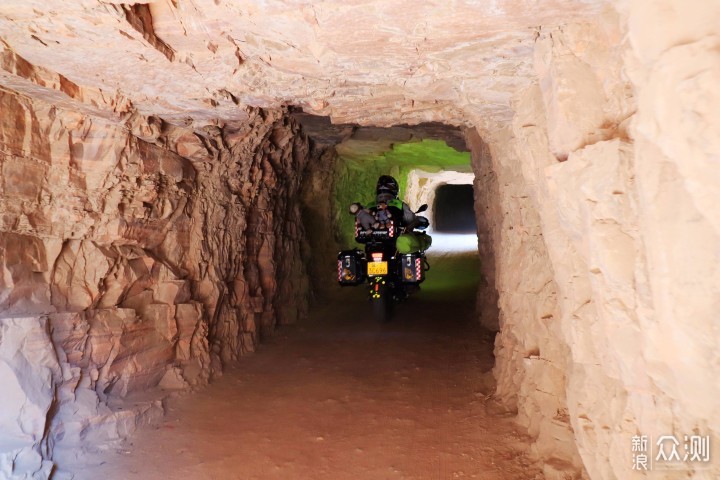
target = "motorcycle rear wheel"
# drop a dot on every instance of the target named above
(382, 304)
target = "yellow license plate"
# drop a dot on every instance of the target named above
(377, 268)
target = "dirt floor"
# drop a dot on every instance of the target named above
(343, 397)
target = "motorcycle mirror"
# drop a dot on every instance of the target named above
(422, 208)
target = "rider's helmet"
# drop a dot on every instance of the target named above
(387, 184)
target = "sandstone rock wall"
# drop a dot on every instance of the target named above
(137, 254)
(321, 245)
(596, 160)
(531, 355)
(605, 253)
(29, 370)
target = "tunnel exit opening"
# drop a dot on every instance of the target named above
(453, 209)
(420, 157)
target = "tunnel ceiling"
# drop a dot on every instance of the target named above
(326, 133)
(192, 63)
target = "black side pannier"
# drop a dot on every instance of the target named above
(351, 267)
(412, 268)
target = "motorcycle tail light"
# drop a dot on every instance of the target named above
(377, 257)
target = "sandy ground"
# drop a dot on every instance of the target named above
(343, 397)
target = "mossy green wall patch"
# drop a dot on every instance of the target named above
(427, 153)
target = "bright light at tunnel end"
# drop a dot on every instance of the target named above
(453, 242)
(422, 186)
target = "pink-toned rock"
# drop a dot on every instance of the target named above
(20, 179)
(127, 230)
(187, 316)
(23, 269)
(594, 128)
(28, 373)
(445, 61)
(162, 318)
(138, 301)
(70, 336)
(172, 292)
(173, 380)
(78, 275)
(129, 352)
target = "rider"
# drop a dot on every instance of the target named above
(386, 191)
(387, 206)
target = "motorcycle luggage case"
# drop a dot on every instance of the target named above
(412, 268)
(351, 267)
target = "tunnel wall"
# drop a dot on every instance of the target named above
(518, 298)
(319, 212)
(597, 204)
(134, 255)
(604, 243)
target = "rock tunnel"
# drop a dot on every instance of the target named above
(455, 209)
(174, 178)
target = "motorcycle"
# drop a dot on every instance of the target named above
(392, 276)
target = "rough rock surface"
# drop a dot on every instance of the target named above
(29, 369)
(132, 171)
(603, 254)
(369, 61)
(151, 261)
